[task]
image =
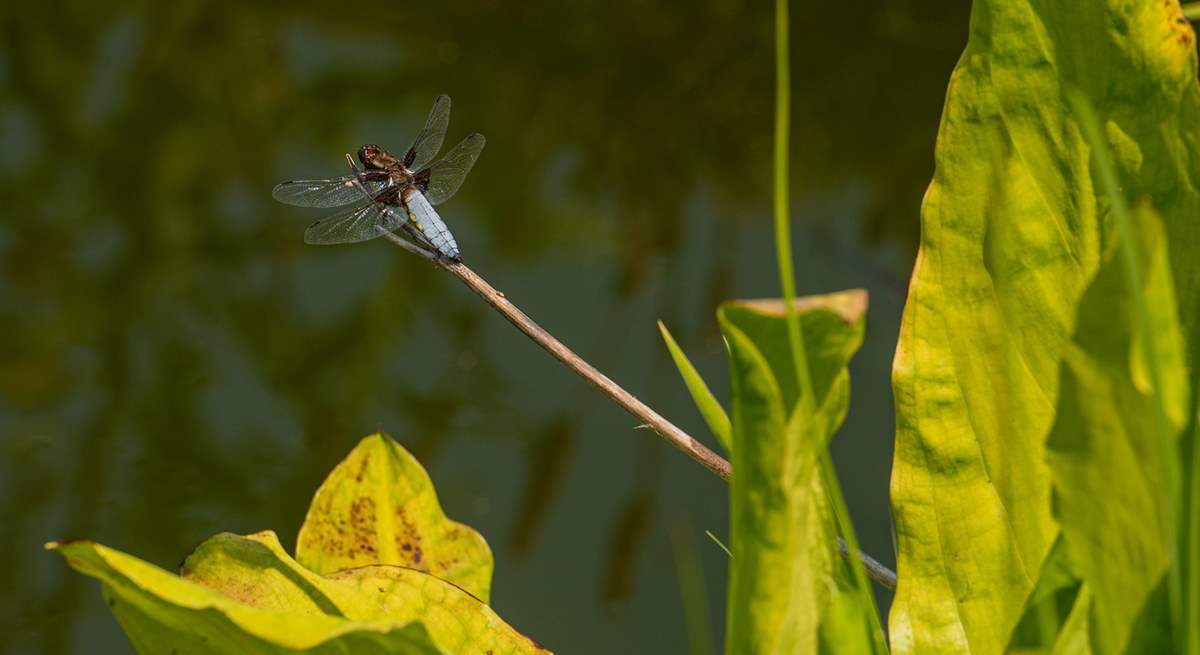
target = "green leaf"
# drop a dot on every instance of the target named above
(1073, 637)
(833, 325)
(706, 402)
(787, 589)
(378, 506)
(1108, 487)
(163, 613)
(1011, 236)
(1050, 605)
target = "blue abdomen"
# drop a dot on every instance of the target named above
(431, 225)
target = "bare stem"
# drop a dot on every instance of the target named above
(876, 571)
(642, 412)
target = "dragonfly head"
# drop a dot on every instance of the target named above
(370, 155)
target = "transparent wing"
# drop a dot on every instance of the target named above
(445, 176)
(324, 193)
(427, 144)
(352, 225)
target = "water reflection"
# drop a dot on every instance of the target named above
(177, 362)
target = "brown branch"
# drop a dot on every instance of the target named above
(642, 412)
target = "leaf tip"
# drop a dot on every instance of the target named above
(666, 334)
(60, 544)
(850, 305)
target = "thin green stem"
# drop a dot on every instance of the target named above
(783, 237)
(783, 249)
(842, 518)
(720, 545)
(1190, 547)
(1192, 556)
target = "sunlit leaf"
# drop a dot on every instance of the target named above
(1109, 494)
(786, 589)
(1051, 604)
(163, 613)
(710, 408)
(1011, 236)
(256, 571)
(379, 507)
(1072, 638)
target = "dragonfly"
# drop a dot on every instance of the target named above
(388, 193)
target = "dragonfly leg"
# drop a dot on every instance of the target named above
(391, 221)
(418, 238)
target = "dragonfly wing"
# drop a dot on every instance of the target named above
(427, 144)
(324, 193)
(442, 179)
(352, 225)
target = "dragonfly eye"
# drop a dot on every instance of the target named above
(367, 155)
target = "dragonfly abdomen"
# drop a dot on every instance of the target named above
(431, 225)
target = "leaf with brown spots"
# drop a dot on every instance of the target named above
(256, 571)
(245, 596)
(163, 613)
(378, 506)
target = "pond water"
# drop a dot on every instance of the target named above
(177, 362)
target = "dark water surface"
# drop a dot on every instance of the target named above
(175, 362)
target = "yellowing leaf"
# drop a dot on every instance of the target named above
(833, 326)
(786, 591)
(1012, 234)
(1109, 494)
(245, 595)
(163, 613)
(378, 506)
(256, 571)
(1049, 608)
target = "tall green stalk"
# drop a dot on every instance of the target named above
(783, 250)
(783, 237)
(1191, 558)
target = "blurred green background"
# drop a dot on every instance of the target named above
(176, 362)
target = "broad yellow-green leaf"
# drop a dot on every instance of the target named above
(256, 571)
(843, 622)
(163, 613)
(1011, 237)
(706, 402)
(245, 595)
(786, 591)
(1073, 637)
(379, 507)
(1050, 607)
(1109, 493)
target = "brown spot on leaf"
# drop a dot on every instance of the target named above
(362, 467)
(408, 540)
(362, 527)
